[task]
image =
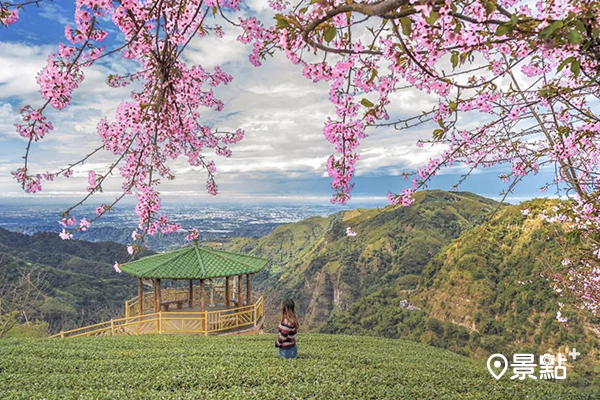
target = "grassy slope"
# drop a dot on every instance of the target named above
(287, 245)
(194, 367)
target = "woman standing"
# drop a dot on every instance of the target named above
(288, 327)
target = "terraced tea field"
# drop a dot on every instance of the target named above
(246, 367)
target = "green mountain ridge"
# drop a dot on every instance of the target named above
(495, 280)
(323, 269)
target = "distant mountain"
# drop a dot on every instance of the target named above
(71, 255)
(161, 242)
(323, 269)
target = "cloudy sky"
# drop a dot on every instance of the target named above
(282, 156)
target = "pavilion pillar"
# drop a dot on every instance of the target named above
(239, 291)
(212, 293)
(248, 290)
(154, 297)
(227, 293)
(157, 295)
(233, 286)
(140, 297)
(202, 308)
(191, 294)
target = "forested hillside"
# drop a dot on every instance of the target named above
(496, 281)
(486, 292)
(75, 283)
(324, 269)
(439, 272)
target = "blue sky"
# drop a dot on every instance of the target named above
(282, 156)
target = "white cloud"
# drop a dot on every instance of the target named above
(19, 66)
(210, 51)
(261, 6)
(8, 117)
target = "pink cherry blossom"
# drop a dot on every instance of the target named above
(192, 235)
(544, 120)
(8, 17)
(65, 235)
(84, 224)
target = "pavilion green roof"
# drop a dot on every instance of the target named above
(194, 262)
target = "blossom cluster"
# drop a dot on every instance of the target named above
(514, 85)
(8, 16)
(162, 120)
(366, 61)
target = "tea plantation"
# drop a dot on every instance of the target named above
(246, 367)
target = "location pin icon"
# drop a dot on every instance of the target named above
(497, 364)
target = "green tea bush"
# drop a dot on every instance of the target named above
(247, 367)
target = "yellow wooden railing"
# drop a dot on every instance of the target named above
(204, 322)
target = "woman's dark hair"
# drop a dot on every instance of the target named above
(288, 312)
